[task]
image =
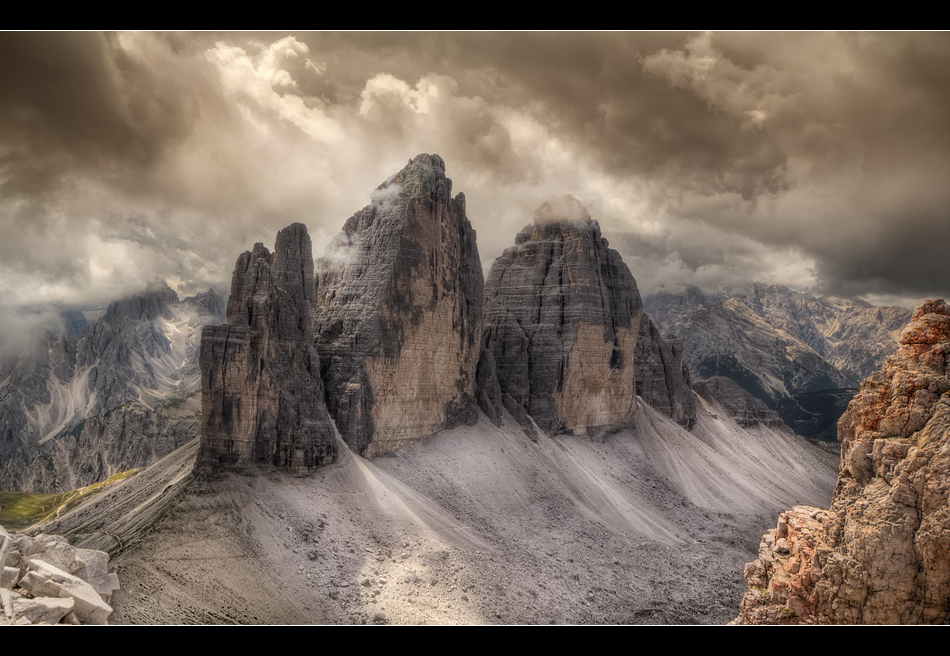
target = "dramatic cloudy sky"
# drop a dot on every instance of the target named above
(816, 160)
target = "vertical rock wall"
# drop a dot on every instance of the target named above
(562, 315)
(399, 313)
(662, 378)
(262, 397)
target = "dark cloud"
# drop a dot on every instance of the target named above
(77, 101)
(815, 159)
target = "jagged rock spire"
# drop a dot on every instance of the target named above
(399, 312)
(262, 397)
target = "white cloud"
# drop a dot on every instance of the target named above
(383, 86)
(255, 83)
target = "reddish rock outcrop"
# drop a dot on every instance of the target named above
(881, 554)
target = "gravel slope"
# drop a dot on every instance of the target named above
(480, 525)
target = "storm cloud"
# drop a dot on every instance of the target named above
(816, 160)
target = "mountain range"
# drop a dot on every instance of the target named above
(96, 398)
(802, 356)
(389, 436)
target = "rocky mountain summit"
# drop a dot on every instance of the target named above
(880, 554)
(262, 396)
(562, 317)
(75, 409)
(392, 337)
(398, 315)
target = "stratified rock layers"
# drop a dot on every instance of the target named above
(399, 313)
(562, 315)
(262, 397)
(742, 407)
(662, 378)
(882, 553)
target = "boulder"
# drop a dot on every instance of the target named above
(40, 610)
(45, 580)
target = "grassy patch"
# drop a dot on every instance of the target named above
(20, 510)
(175, 402)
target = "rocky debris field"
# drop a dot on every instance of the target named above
(44, 580)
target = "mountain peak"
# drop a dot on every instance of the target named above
(562, 321)
(423, 177)
(157, 285)
(400, 293)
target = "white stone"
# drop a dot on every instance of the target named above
(44, 579)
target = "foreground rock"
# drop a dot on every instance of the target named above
(880, 555)
(562, 319)
(45, 580)
(262, 396)
(399, 313)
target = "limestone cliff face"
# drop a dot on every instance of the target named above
(262, 397)
(399, 313)
(662, 379)
(881, 553)
(562, 315)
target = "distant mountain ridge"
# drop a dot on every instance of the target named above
(72, 402)
(778, 344)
